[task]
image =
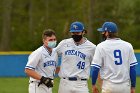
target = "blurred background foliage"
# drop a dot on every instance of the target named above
(23, 21)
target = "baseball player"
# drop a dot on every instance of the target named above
(116, 61)
(42, 64)
(77, 53)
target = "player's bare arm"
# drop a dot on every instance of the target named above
(100, 81)
(133, 90)
(95, 89)
(32, 73)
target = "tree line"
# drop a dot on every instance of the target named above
(23, 21)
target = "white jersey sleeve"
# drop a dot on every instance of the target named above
(33, 60)
(132, 58)
(97, 59)
(59, 47)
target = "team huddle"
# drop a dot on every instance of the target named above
(112, 61)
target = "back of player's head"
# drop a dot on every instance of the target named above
(109, 27)
(77, 27)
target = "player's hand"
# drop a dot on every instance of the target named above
(132, 90)
(95, 89)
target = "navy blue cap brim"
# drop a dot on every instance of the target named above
(100, 30)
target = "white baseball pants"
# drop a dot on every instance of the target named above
(78, 86)
(33, 88)
(109, 87)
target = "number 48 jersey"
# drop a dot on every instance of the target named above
(114, 57)
(76, 60)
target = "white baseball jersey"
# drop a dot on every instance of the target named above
(76, 59)
(114, 57)
(42, 62)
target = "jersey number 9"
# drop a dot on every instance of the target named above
(117, 55)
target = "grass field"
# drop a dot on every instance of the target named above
(20, 85)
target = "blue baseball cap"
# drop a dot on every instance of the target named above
(109, 27)
(76, 27)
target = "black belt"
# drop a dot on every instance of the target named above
(33, 81)
(75, 79)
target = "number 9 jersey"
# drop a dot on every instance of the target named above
(114, 57)
(76, 59)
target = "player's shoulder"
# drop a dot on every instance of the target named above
(90, 43)
(68, 40)
(127, 43)
(118, 41)
(101, 44)
(54, 49)
(37, 51)
(64, 41)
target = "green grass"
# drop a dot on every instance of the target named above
(20, 85)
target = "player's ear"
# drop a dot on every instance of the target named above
(84, 32)
(43, 40)
(107, 33)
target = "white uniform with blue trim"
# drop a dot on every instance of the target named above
(43, 63)
(114, 57)
(76, 61)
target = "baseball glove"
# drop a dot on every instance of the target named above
(47, 81)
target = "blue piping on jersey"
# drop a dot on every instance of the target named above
(133, 76)
(132, 64)
(29, 67)
(94, 75)
(96, 65)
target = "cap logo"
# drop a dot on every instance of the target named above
(75, 26)
(105, 28)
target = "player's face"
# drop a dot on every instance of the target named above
(47, 40)
(77, 36)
